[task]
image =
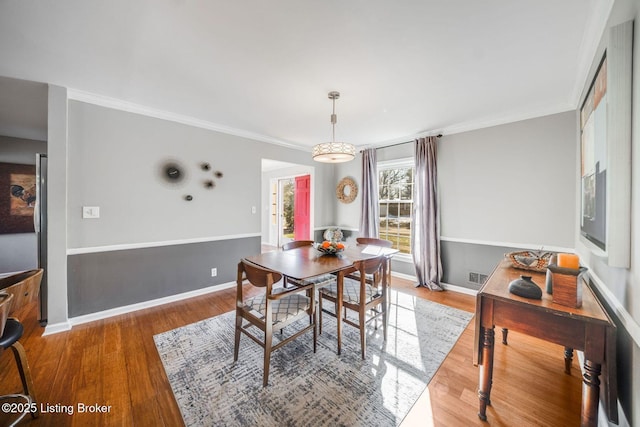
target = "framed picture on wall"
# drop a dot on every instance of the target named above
(605, 152)
(593, 160)
(17, 198)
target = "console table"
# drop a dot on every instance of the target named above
(587, 328)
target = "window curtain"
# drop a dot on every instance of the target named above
(369, 226)
(425, 230)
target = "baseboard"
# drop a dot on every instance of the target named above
(446, 286)
(56, 328)
(92, 317)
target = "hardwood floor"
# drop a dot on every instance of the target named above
(114, 362)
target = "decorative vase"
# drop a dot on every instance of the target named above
(525, 287)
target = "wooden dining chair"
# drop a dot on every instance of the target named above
(368, 300)
(23, 288)
(271, 310)
(318, 281)
(296, 244)
(374, 242)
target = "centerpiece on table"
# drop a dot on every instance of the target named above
(329, 247)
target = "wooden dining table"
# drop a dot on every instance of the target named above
(307, 262)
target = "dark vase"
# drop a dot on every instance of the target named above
(525, 287)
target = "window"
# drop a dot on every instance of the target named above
(395, 187)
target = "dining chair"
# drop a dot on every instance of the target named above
(318, 281)
(270, 310)
(360, 296)
(23, 289)
(374, 242)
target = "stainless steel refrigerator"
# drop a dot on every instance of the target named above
(40, 225)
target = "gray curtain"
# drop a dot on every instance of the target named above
(425, 230)
(369, 226)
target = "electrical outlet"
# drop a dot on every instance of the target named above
(214, 272)
(473, 277)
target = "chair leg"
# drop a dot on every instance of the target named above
(25, 373)
(320, 313)
(268, 337)
(362, 325)
(315, 330)
(237, 342)
(385, 318)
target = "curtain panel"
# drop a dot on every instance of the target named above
(425, 230)
(369, 226)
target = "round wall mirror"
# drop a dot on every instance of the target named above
(347, 190)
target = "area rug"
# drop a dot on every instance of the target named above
(306, 388)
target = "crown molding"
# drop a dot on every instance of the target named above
(130, 107)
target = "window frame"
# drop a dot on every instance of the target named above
(406, 162)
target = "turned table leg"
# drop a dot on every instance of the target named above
(505, 332)
(568, 358)
(590, 394)
(486, 372)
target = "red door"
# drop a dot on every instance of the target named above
(301, 208)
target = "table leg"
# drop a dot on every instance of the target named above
(505, 333)
(568, 358)
(486, 371)
(590, 394)
(339, 310)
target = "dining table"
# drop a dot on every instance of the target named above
(307, 262)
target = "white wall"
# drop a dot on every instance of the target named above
(512, 183)
(347, 215)
(115, 160)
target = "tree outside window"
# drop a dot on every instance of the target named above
(395, 196)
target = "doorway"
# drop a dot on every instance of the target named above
(293, 211)
(287, 202)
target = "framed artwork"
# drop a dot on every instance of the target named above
(605, 152)
(17, 198)
(593, 160)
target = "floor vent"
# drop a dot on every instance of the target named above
(477, 278)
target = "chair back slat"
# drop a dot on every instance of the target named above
(257, 275)
(370, 266)
(296, 244)
(5, 307)
(375, 242)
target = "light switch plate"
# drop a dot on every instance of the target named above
(90, 212)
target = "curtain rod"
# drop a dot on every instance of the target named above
(400, 143)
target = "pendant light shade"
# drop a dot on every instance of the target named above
(333, 152)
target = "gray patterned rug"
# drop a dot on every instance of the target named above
(307, 389)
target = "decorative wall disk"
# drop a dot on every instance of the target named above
(173, 172)
(347, 190)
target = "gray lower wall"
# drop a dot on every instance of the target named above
(459, 259)
(106, 280)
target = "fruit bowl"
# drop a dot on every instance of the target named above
(329, 248)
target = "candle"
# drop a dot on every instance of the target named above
(569, 261)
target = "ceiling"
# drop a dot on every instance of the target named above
(263, 69)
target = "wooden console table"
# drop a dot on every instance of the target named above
(587, 328)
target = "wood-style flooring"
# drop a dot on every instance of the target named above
(114, 362)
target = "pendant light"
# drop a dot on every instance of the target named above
(333, 152)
